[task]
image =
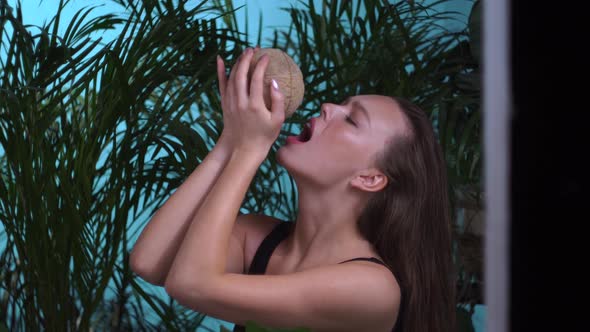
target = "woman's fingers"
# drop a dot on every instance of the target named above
(257, 82)
(241, 79)
(237, 83)
(221, 76)
(232, 74)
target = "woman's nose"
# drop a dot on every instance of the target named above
(328, 111)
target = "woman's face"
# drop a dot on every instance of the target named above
(340, 147)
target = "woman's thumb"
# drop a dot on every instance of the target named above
(277, 108)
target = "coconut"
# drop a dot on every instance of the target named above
(283, 69)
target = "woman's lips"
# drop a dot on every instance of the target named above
(294, 140)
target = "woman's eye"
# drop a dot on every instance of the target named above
(349, 119)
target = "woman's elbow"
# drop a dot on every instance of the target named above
(145, 270)
(175, 286)
(186, 289)
(186, 294)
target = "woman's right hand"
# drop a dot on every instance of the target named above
(227, 138)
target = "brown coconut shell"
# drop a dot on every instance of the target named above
(283, 69)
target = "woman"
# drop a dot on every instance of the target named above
(370, 249)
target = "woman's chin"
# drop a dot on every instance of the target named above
(281, 156)
(287, 158)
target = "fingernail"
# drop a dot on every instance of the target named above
(275, 85)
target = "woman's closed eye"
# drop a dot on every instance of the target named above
(349, 119)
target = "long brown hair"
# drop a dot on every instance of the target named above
(408, 222)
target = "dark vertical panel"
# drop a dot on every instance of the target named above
(550, 147)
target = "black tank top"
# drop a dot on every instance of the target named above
(268, 245)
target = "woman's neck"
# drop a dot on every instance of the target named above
(326, 227)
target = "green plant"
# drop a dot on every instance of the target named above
(95, 135)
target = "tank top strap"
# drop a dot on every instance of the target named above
(268, 245)
(370, 259)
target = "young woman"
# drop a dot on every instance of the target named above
(370, 249)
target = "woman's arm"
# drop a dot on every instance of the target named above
(254, 130)
(210, 230)
(158, 243)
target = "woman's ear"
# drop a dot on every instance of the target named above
(371, 180)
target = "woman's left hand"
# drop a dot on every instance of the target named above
(254, 127)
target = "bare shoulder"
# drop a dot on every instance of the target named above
(255, 227)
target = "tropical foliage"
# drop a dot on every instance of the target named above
(95, 135)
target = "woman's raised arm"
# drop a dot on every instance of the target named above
(158, 243)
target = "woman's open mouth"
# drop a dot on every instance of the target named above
(304, 136)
